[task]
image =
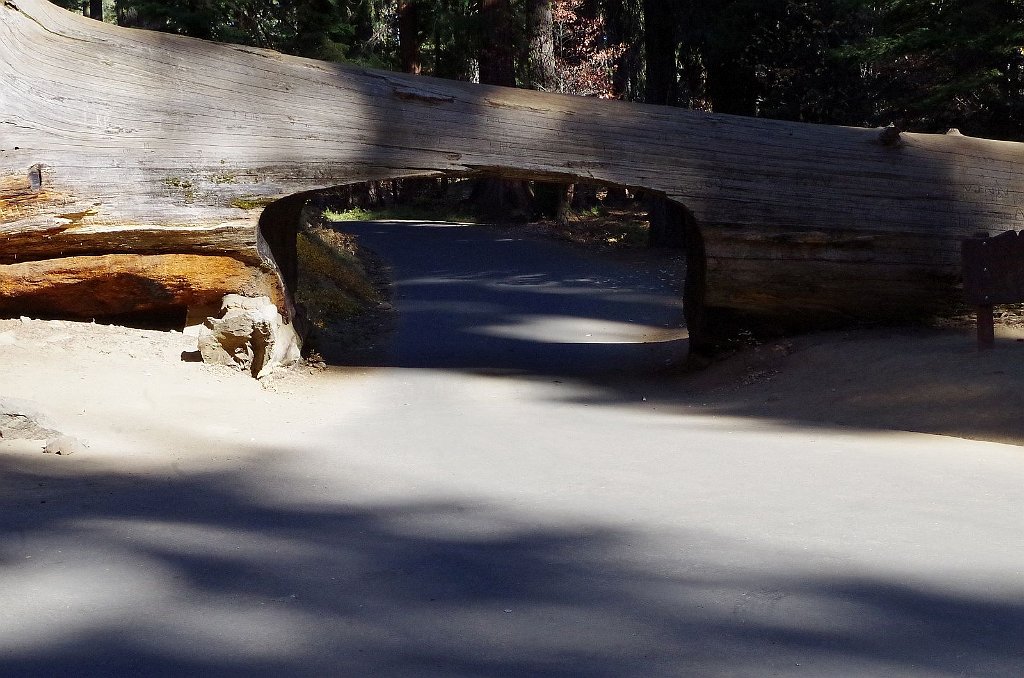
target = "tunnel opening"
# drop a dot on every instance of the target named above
(324, 241)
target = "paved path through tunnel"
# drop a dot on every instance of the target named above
(499, 298)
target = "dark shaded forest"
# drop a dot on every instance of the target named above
(921, 65)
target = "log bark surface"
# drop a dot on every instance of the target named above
(118, 141)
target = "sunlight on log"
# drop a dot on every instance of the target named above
(118, 141)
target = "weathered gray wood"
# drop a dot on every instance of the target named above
(118, 141)
(45, 238)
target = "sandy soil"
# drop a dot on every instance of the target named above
(90, 378)
(94, 380)
(757, 518)
(923, 380)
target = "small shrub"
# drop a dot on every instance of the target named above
(354, 214)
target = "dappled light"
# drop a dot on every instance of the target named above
(580, 438)
(500, 298)
(568, 330)
(443, 521)
(197, 574)
(919, 380)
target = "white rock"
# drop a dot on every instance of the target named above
(250, 335)
(64, 445)
(23, 419)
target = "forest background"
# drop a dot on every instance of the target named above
(922, 65)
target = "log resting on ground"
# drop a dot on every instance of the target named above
(117, 142)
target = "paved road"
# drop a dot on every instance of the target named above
(493, 298)
(480, 514)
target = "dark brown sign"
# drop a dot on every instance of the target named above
(993, 274)
(994, 269)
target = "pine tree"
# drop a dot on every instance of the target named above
(955, 63)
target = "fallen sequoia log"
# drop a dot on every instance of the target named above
(134, 167)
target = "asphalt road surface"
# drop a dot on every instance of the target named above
(498, 501)
(492, 298)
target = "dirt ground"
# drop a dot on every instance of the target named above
(757, 518)
(85, 376)
(906, 379)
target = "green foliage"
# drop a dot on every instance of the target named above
(414, 210)
(338, 30)
(772, 58)
(72, 5)
(935, 64)
(450, 38)
(923, 64)
(354, 214)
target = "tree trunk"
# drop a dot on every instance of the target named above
(622, 26)
(408, 36)
(117, 284)
(666, 223)
(795, 223)
(500, 198)
(662, 88)
(660, 53)
(96, 10)
(497, 61)
(563, 209)
(541, 72)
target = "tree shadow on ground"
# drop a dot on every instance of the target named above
(108, 573)
(905, 379)
(498, 300)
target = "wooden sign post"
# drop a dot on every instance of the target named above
(993, 269)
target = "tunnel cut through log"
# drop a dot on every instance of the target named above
(130, 151)
(282, 220)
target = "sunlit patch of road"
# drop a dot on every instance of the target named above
(569, 330)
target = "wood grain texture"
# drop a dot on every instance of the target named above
(152, 142)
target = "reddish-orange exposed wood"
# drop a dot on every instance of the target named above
(114, 284)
